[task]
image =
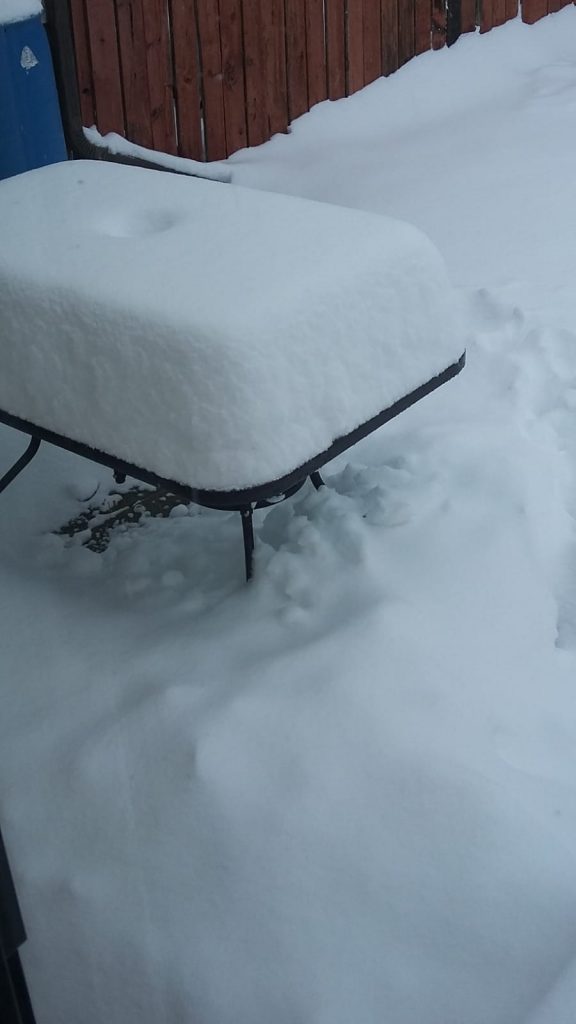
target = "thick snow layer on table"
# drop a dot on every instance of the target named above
(345, 794)
(18, 10)
(215, 335)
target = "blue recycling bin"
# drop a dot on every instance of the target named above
(31, 132)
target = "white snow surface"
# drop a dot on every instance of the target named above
(18, 10)
(218, 336)
(347, 792)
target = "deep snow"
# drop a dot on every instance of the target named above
(346, 792)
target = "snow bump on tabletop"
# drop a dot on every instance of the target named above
(213, 334)
(18, 10)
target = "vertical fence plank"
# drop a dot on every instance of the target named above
(254, 73)
(498, 12)
(468, 14)
(336, 48)
(159, 68)
(233, 75)
(276, 92)
(296, 63)
(422, 26)
(132, 45)
(208, 14)
(187, 79)
(83, 62)
(265, 69)
(316, 51)
(439, 19)
(355, 47)
(106, 67)
(389, 36)
(533, 10)
(372, 41)
(406, 23)
(487, 15)
(453, 22)
(511, 9)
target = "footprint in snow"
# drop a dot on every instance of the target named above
(488, 313)
(556, 80)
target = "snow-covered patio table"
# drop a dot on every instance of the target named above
(227, 341)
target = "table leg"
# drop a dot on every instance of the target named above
(248, 537)
(20, 463)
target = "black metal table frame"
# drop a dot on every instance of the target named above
(244, 501)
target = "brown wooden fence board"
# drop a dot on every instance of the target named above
(389, 36)
(275, 88)
(336, 48)
(254, 73)
(372, 41)
(208, 14)
(498, 12)
(422, 26)
(106, 67)
(132, 45)
(83, 62)
(296, 61)
(159, 68)
(406, 25)
(487, 16)
(511, 9)
(355, 46)
(186, 79)
(533, 10)
(468, 15)
(439, 19)
(232, 57)
(316, 52)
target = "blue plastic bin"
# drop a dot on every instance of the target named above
(31, 132)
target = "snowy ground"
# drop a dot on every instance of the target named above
(346, 794)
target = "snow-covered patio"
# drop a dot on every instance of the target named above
(347, 792)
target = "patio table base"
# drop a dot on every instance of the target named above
(244, 500)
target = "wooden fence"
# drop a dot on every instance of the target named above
(203, 78)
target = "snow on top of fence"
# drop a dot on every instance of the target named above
(119, 146)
